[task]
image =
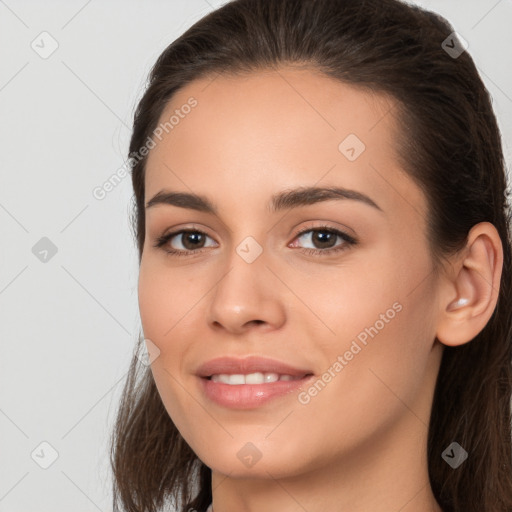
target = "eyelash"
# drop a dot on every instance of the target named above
(349, 241)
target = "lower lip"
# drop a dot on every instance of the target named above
(249, 396)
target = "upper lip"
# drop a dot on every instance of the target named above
(251, 364)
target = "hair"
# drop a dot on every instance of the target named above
(449, 143)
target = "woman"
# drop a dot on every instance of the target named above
(325, 288)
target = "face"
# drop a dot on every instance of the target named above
(339, 287)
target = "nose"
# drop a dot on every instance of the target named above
(247, 295)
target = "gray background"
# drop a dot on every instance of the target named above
(68, 324)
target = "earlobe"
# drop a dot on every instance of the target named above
(470, 292)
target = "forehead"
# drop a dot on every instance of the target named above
(267, 130)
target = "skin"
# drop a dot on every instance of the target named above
(360, 443)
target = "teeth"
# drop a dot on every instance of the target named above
(250, 378)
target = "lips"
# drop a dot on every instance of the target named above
(249, 383)
(249, 365)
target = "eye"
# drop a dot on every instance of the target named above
(325, 237)
(190, 240)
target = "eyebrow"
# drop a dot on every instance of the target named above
(287, 199)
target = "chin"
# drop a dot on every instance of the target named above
(260, 470)
(243, 459)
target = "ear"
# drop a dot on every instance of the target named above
(470, 292)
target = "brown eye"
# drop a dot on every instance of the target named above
(191, 240)
(324, 240)
(182, 242)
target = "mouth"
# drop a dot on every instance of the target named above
(250, 383)
(237, 379)
(249, 370)
(252, 390)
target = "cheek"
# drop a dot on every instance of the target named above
(164, 301)
(352, 299)
(153, 305)
(169, 304)
(380, 381)
(397, 359)
(384, 328)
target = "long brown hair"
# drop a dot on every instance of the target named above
(449, 144)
